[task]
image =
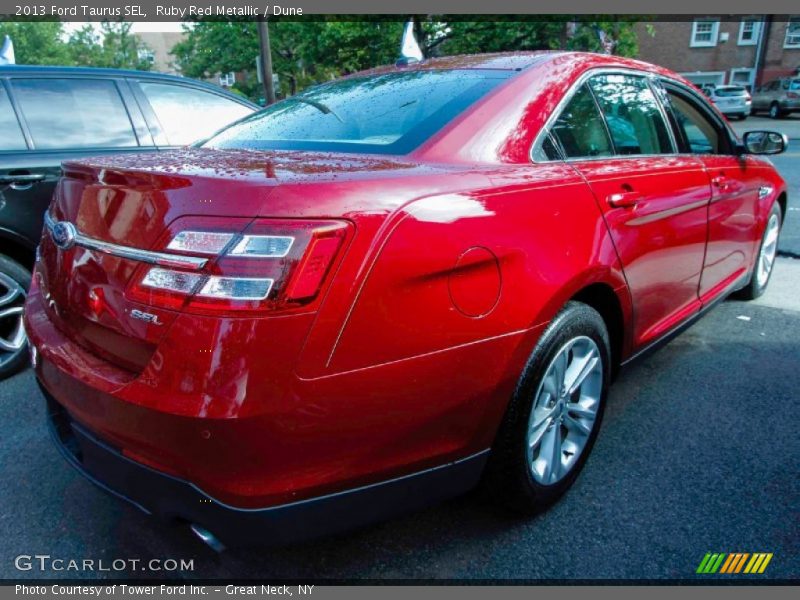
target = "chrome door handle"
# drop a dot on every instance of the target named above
(22, 181)
(26, 178)
(623, 199)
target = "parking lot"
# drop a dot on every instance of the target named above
(698, 453)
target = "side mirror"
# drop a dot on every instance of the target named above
(764, 142)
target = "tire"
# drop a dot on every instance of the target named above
(742, 117)
(517, 478)
(775, 111)
(759, 280)
(14, 283)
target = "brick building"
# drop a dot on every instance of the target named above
(724, 49)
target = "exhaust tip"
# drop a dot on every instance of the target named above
(208, 538)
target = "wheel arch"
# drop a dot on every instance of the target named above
(602, 298)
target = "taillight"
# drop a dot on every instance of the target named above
(792, 95)
(263, 265)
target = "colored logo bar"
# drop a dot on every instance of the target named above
(734, 562)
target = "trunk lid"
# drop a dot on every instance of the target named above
(132, 201)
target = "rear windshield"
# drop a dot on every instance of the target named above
(795, 84)
(730, 91)
(383, 114)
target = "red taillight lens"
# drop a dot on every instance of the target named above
(792, 95)
(266, 265)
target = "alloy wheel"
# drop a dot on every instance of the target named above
(769, 248)
(12, 332)
(564, 410)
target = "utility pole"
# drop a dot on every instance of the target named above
(266, 61)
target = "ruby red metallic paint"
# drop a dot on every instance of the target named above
(456, 257)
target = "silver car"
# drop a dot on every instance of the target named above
(778, 98)
(731, 100)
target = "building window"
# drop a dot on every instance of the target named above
(704, 33)
(227, 79)
(748, 32)
(792, 33)
(146, 55)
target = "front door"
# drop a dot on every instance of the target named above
(735, 182)
(654, 201)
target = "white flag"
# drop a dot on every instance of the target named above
(7, 52)
(409, 49)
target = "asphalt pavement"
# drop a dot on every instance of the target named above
(698, 453)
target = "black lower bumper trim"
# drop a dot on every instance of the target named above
(171, 498)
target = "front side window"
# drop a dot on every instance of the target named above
(700, 134)
(10, 134)
(187, 114)
(391, 113)
(632, 114)
(74, 113)
(580, 130)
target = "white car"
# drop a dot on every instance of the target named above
(731, 100)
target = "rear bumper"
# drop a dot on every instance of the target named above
(174, 499)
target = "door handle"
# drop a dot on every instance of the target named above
(721, 182)
(22, 178)
(21, 181)
(623, 199)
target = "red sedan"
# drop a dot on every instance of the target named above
(374, 294)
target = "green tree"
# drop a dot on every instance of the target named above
(37, 42)
(308, 52)
(443, 37)
(113, 46)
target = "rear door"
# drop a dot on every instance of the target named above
(179, 115)
(654, 200)
(62, 118)
(735, 181)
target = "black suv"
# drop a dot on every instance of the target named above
(51, 114)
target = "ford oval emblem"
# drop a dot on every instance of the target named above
(63, 234)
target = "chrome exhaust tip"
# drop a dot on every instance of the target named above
(208, 538)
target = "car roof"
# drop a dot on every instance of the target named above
(28, 70)
(520, 61)
(502, 61)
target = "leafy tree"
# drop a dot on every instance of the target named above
(36, 42)
(114, 46)
(311, 51)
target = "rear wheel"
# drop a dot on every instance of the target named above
(766, 257)
(553, 419)
(775, 111)
(14, 282)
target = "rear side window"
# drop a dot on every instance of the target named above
(11, 137)
(74, 113)
(580, 130)
(632, 114)
(187, 115)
